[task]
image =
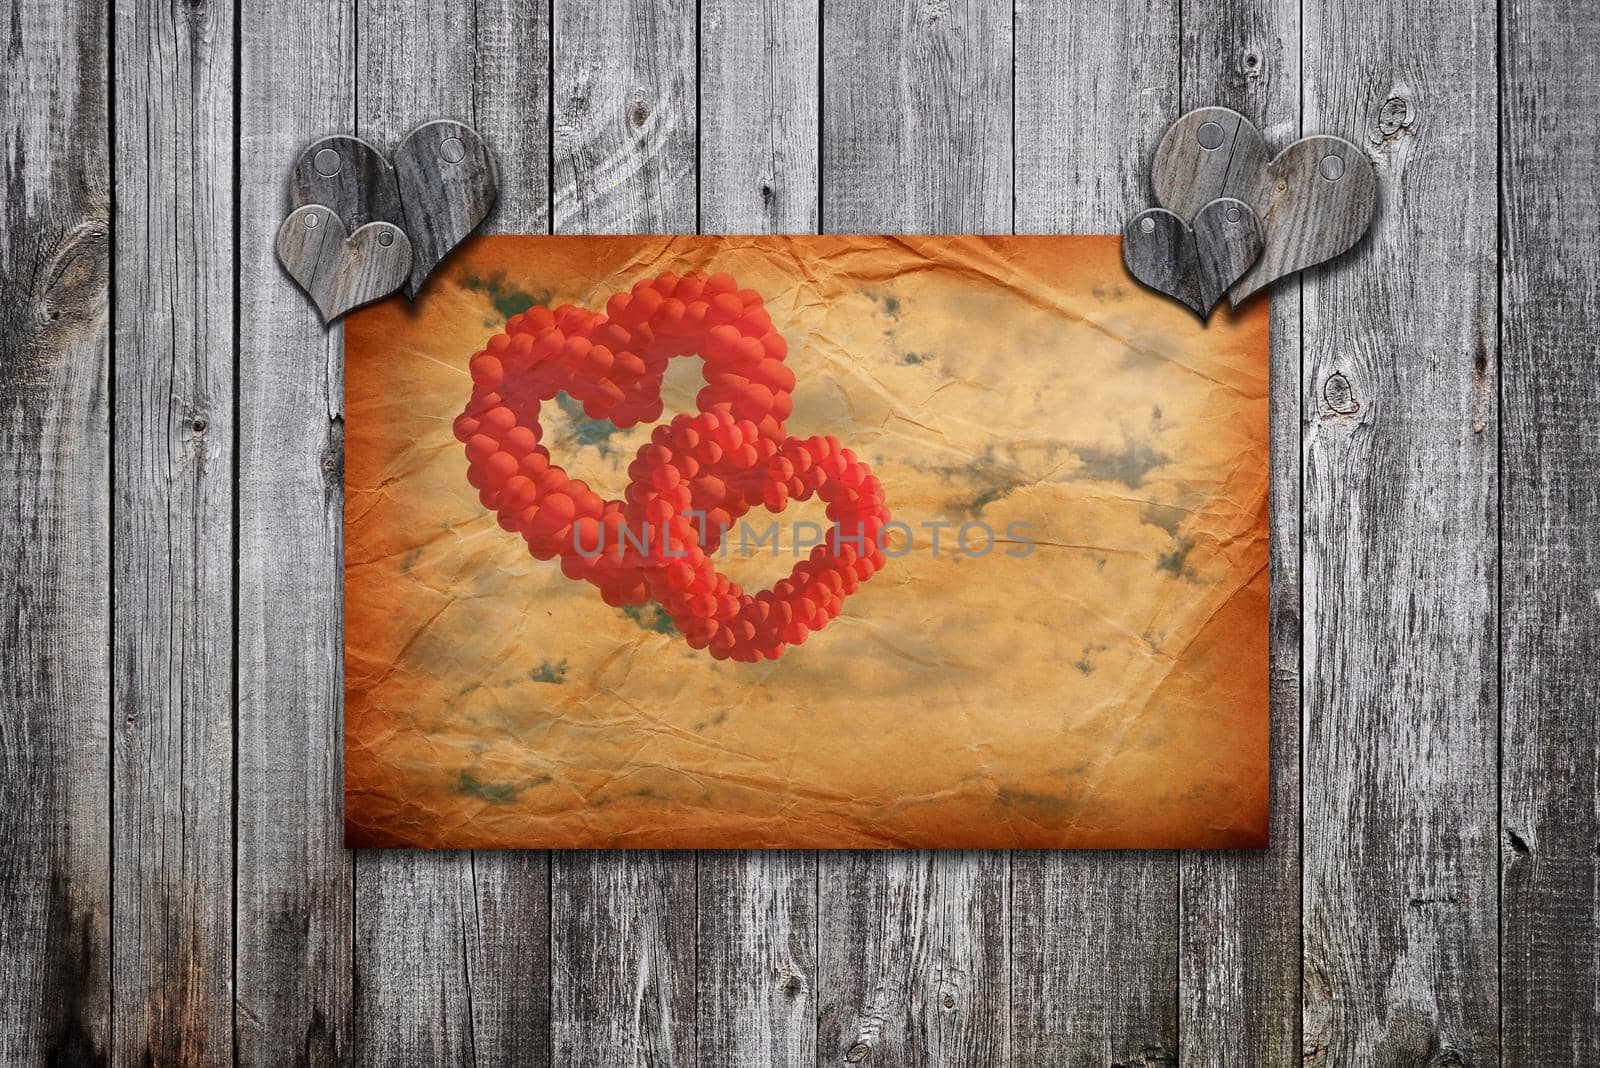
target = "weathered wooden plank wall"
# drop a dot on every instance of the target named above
(1550, 549)
(1400, 552)
(293, 916)
(171, 426)
(55, 517)
(172, 545)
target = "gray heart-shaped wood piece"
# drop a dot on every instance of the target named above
(350, 177)
(1314, 199)
(438, 189)
(1197, 264)
(341, 272)
(1206, 154)
(447, 185)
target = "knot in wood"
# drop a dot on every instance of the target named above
(1393, 117)
(1339, 396)
(638, 110)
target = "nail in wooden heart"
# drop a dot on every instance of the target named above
(350, 177)
(342, 272)
(1314, 199)
(1194, 265)
(447, 185)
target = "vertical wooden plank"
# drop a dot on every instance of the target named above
(1550, 554)
(625, 128)
(757, 924)
(759, 113)
(1094, 935)
(622, 947)
(451, 948)
(1400, 661)
(912, 958)
(622, 959)
(757, 948)
(55, 692)
(293, 877)
(912, 954)
(916, 117)
(1239, 925)
(172, 782)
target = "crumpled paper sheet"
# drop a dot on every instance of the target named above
(1109, 690)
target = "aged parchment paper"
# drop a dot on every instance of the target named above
(1109, 689)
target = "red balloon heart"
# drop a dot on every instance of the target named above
(698, 475)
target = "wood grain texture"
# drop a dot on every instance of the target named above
(452, 974)
(1550, 535)
(172, 421)
(1400, 649)
(446, 175)
(1315, 197)
(756, 912)
(912, 957)
(55, 692)
(1239, 930)
(350, 176)
(757, 958)
(340, 271)
(293, 876)
(622, 946)
(913, 960)
(622, 964)
(1315, 200)
(1192, 264)
(1080, 74)
(1209, 152)
(916, 117)
(510, 107)
(434, 982)
(759, 113)
(1094, 935)
(625, 131)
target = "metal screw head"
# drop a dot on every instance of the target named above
(327, 162)
(451, 150)
(1210, 135)
(1147, 225)
(1233, 214)
(1332, 167)
(312, 220)
(386, 238)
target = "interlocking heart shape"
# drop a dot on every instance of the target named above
(439, 188)
(697, 475)
(1314, 200)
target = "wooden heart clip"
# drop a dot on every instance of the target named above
(439, 187)
(1314, 199)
